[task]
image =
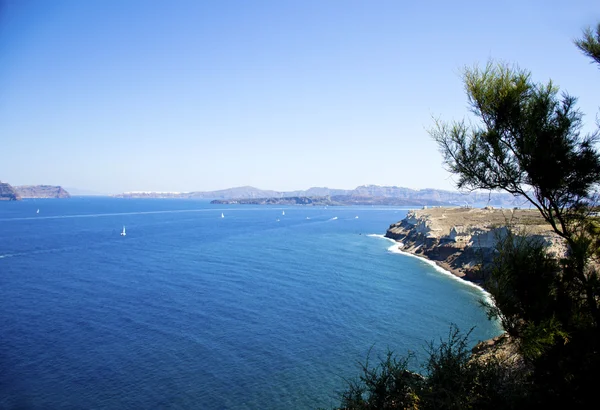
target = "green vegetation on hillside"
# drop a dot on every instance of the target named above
(527, 142)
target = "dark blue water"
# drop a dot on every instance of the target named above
(256, 310)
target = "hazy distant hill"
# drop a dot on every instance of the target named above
(240, 192)
(361, 194)
(8, 193)
(334, 200)
(41, 191)
(84, 192)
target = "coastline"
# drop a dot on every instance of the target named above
(455, 274)
(458, 240)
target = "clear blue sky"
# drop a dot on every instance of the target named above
(126, 95)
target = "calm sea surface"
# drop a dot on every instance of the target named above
(256, 310)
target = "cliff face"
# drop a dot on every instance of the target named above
(8, 193)
(459, 239)
(41, 191)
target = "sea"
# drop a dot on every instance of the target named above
(203, 306)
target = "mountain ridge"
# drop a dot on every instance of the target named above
(427, 196)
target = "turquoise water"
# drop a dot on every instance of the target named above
(256, 310)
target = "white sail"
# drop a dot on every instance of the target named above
(222, 216)
(123, 232)
(282, 212)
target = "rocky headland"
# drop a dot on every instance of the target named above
(41, 191)
(459, 239)
(8, 193)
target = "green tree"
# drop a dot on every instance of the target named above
(526, 140)
(526, 285)
(590, 43)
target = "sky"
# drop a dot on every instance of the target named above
(141, 95)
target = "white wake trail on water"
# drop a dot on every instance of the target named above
(176, 211)
(395, 248)
(111, 214)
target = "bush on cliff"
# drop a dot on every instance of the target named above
(452, 380)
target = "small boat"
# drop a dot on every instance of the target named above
(37, 212)
(123, 233)
(277, 220)
(222, 216)
(308, 217)
(356, 217)
(282, 212)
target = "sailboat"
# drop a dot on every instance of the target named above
(222, 216)
(123, 233)
(282, 212)
(37, 212)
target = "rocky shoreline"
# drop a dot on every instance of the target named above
(460, 239)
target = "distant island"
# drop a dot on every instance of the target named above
(362, 195)
(41, 191)
(16, 193)
(336, 200)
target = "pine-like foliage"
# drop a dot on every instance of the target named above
(525, 139)
(590, 43)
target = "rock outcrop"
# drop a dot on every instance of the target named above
(8, 193)
(503, 350)
(41, 191)
(459, 239)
